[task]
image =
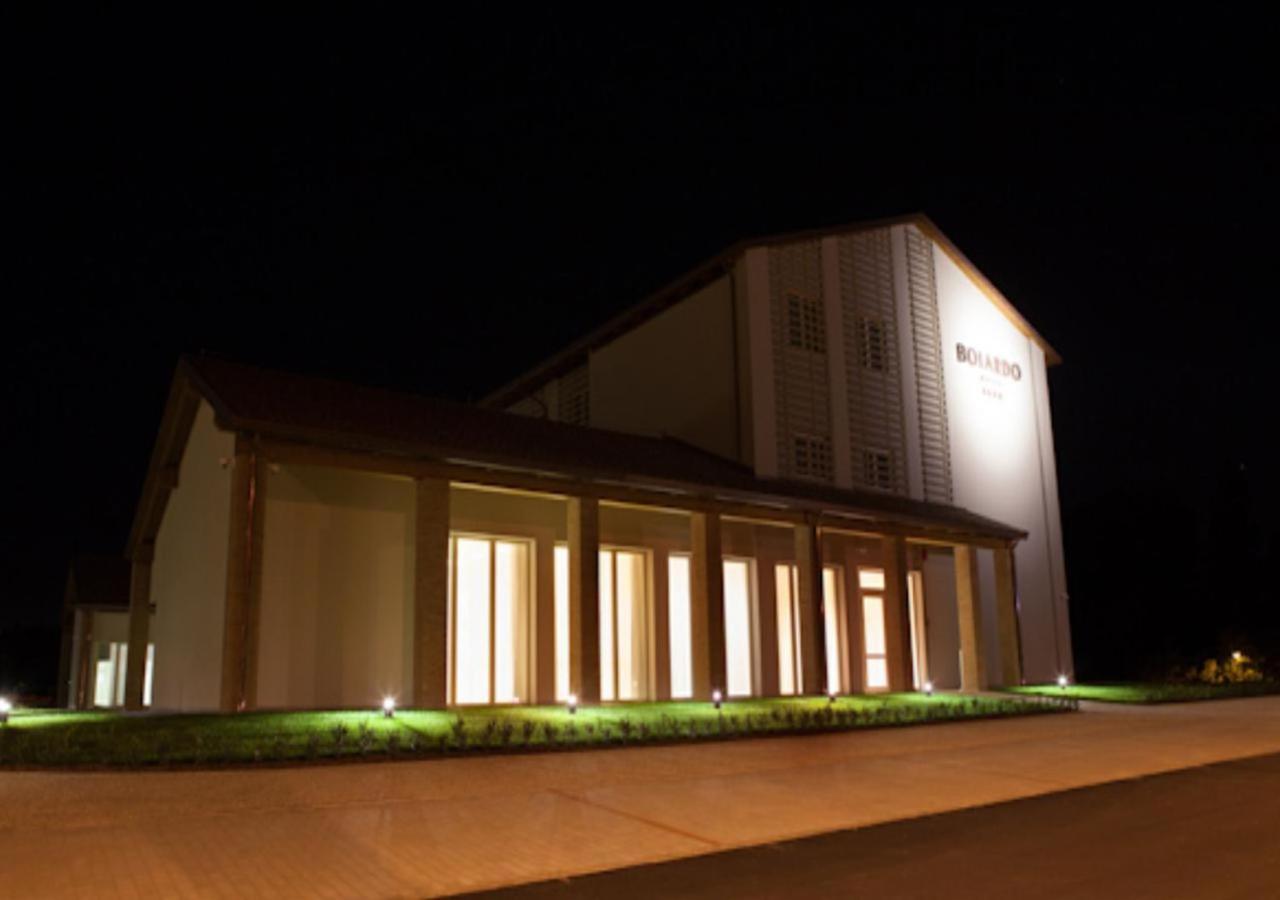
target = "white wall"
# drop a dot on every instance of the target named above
(188, 576)
(337, 589)
(674, 374)
(997, 464)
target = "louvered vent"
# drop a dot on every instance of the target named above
(800, 352)
(935, 443)
(872, 367)
(575, 397)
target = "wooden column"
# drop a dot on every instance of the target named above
(244, 580)
(584, 598)
(897, 620)
(973, 675)
(431, 593)
(706, 605)
(1007, 618)
(813, 644)
(661, 655)
(84, 661)
(139, 628)
(543, 620)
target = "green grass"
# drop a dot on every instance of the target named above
(61, 738)
(1150, 692)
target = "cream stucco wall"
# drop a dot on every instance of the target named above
(674, 374)
(188, 577)
(337, 589)
(997, 423)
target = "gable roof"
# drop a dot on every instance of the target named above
(399, 427)
(709, 270)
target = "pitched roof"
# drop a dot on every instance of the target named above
(99, 581)
(711, 269)
(344, 416)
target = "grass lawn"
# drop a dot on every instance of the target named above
(1150, 692)
(63, 738)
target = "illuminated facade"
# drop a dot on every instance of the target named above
(786, 484)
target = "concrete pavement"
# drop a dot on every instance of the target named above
(1211, 831)
(421, 828)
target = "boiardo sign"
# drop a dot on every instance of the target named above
(987, 362)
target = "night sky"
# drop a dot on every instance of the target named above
(437, 204)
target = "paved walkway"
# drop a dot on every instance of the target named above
(443, 826)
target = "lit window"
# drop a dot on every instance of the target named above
(833, 628)
(489, 615)
(562, 622)
(787, 591)
(874, 637)
(738, 627)
(871, 579)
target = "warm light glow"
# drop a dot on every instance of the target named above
(831, 696)
(737, 626)
(679, 626)
(1237, 656)
(831, 629)
(717, 697)
(1062, 681)
(874, 642)
(490, 620)
(5, 705)
(573, 703)
(871, 579)
(561, 562)
(388, 706)
(928, 688)
(789, 677)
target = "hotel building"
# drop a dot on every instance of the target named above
(821, 461)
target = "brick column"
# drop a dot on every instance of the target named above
(813, 644)
(973, 674)
(897, 620)
(244, 580)
(706, 605)
(584, 598)
(1007, 618)
(139, 628)
(431, 593)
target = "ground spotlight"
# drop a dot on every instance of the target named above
(388, 706)
(5, 708)
(831, 695)
(1062, 682)
(572, 703)
(717, 698)
(928, 688)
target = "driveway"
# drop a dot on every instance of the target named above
(411, 829)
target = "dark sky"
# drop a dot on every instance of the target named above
(438, 203)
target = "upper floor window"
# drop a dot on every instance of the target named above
(812, 457)
(872, 344)
(805, 326)
(877, 469)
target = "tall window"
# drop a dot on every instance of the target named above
(872, 343)
(834, 629)
(806, 328)
(111, 663)
(871, 585)
(489, 620)
(739, 627)
(624, 626)
(790, 663)
(679, 625)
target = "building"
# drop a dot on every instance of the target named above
(818, 462)
(95, 635)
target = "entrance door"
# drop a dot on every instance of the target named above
(624, 625)
(875, 646)
(488, 620)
